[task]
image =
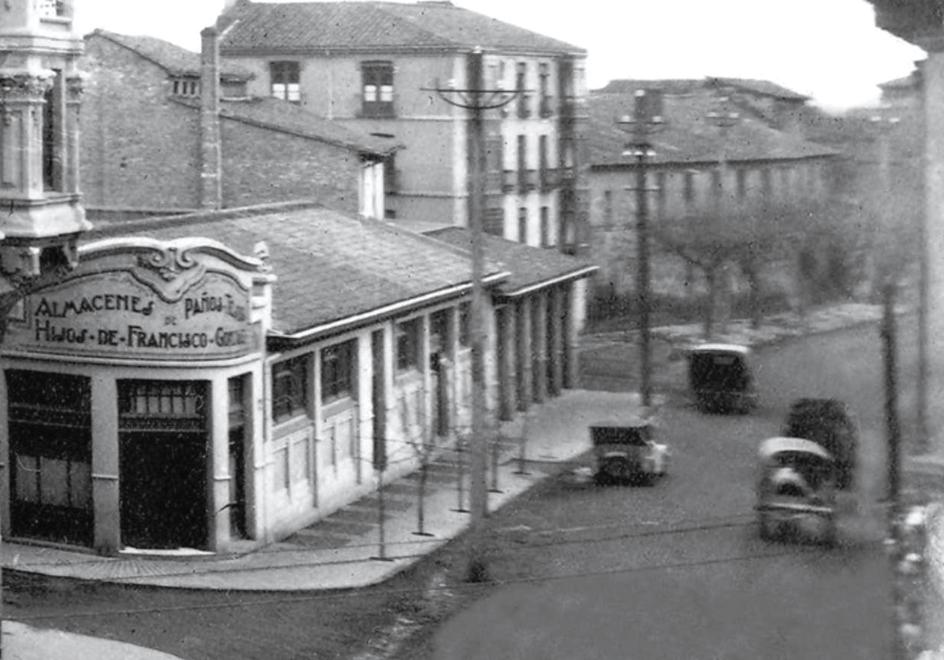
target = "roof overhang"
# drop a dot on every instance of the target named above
(505, 296)
(277, 341)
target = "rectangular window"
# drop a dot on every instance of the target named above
(544, 76)
(543, 173)
(523, 225)
(290, 388)
(522, 163)
(660, 194)
(52, 156)
(338, 364)
(285, 79)
(607, 208)
(521, 74)
(408, 344)
(494, 221)
(741, 183)
(545, 226)
(377, 85)
(688, 190)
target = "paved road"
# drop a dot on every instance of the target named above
(677, 571)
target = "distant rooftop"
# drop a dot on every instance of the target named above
(691, 85)
(375, 26)
(688, 135)
(175, 60)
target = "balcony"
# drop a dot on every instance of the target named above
(548, 179)
(508, 180)
(527, 180)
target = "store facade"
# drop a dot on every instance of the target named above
(128, 388)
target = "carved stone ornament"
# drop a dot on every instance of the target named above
(75, 86)
(22, 86)
(170, 272)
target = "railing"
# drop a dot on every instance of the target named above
(527, 180)
(548, 179)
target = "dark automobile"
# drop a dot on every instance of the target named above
(720, 378)
(625, 452)
(828, 423)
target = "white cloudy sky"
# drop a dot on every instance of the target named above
(828, 49)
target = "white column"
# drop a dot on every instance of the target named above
(105, 471)
(219, 491)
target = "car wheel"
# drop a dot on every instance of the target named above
(602, 478)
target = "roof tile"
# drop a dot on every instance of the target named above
(375, 26)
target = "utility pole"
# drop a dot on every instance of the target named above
(477, 99)
(645, 120)
(887, 282)
(725, 118)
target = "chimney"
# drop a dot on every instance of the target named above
(211, 167)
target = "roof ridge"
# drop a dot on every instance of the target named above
(408, 21)
(118, 39)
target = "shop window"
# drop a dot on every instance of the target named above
(408, 344)
(338, 364)
(286, 81)
(290, 388)
(377, 78)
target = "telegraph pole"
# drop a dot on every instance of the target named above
(725, 118)
(477, 99)
(645, 120)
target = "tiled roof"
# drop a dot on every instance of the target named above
(286, 117)
(693, 85)
(373, 26)
(689, 136)
(329, 266)
(174, 59)
(763, 87)
(529, 266)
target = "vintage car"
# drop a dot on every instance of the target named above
(796, 489)
(624, 452)
(830, 424)
(720, 378)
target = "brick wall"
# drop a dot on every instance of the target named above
(138, 149)
(261, 165)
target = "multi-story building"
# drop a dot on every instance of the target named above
(375, 65)
(694, 162)
(168, 130)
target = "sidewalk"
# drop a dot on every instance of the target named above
(343, 550)
(22, 642)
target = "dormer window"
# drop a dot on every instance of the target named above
(186, 87)
(286, 81)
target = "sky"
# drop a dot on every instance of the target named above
(829, 50)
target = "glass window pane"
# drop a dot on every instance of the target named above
(294, 92)
(27, 478)
(54, 481)
(386, 93)
(370, 93)
(80, 485)
(278, 90)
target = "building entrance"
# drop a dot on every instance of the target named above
(51, 456)
(163, 463)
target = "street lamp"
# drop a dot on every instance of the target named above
(645, 120)
(476, 99)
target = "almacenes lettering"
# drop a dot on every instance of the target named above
(111, 302)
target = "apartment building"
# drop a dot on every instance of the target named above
(377, 66)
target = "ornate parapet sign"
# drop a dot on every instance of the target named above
(143, 299)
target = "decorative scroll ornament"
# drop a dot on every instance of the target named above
(75, 87)
(169, 272)
(24, 86)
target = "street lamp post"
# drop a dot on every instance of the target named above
(477, 100)
(645, 120)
